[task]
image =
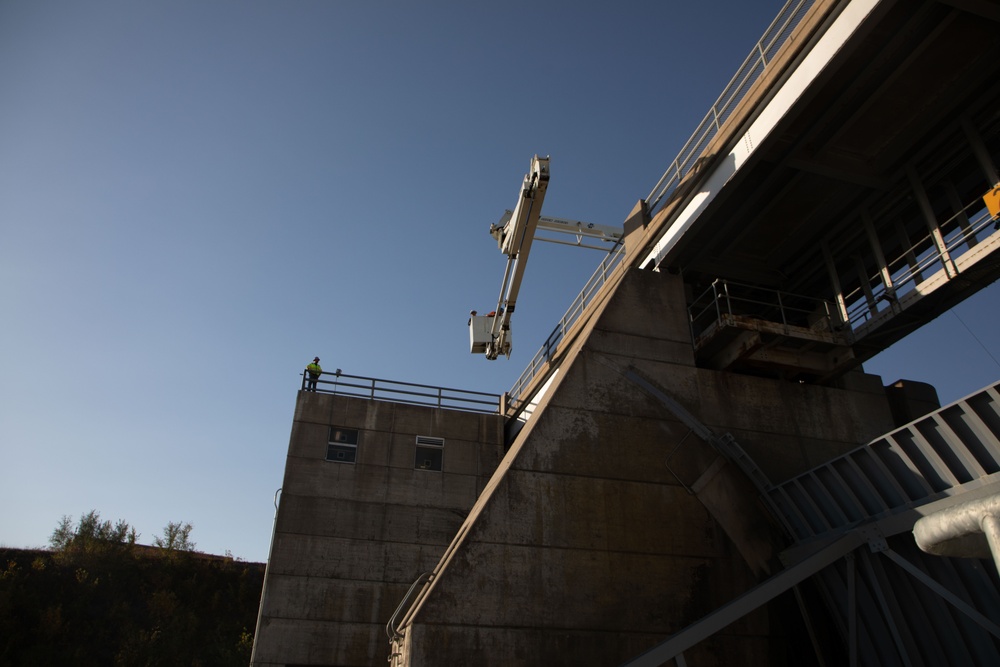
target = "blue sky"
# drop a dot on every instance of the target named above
(197, 197)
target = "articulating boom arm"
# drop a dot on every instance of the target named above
(588, 234)
(514, 239)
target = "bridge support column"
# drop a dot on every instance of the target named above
(838, 291)
(932, 225)
(980, 151)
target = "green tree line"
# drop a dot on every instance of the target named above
(99, 598)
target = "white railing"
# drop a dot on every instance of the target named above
(962, 232)
(766, 48)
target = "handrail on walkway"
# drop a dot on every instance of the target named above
(728, 297)
(392, 627)
(960, 233)
(755, 64)
(376, 389)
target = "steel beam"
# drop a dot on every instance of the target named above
(744, 604)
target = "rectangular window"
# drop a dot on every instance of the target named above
(430, 452)
(343, 445)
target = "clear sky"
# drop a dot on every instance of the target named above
(198, 196)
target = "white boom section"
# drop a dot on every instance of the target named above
(515, 239)
(581, 230)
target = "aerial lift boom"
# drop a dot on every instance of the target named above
(491, 333)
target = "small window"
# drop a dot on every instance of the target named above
(430, 452)
(343, 445)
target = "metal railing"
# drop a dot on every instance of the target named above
(728, 298)
(960, 233)
(605, 270)
(392, 629)
(376, 389)
(766, 48)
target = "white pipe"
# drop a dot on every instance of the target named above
(991, 528)
(967, 530)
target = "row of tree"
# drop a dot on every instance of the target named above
(99, 598)
(90, 533)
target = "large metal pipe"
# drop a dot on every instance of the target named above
(968, 530)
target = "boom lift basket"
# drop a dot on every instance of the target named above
(479, 333)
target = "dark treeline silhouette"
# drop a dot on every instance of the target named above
(100, 599)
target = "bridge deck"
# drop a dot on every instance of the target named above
(860, 183)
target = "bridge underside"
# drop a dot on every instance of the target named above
(868, 193)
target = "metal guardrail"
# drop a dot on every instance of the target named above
(392, 629)
(960, 233)
(766, 48)
(725, 297)
(376, 389)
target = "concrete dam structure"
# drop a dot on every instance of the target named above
(695, 468)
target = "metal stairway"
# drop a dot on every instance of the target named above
(894, 604)
(849, 521)
(944, 453)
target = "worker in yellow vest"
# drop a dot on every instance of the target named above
(314, 370)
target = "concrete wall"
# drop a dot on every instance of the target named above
(589, 545)
(351, 538)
